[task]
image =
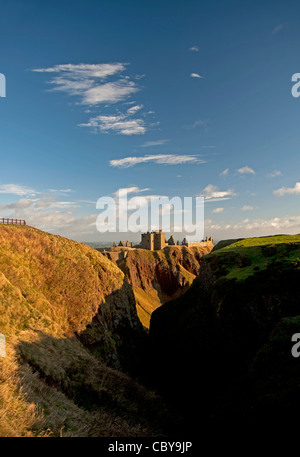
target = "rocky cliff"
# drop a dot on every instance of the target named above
(215, 348)
(159, 276)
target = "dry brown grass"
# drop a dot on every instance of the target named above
(56, 277)
(50, 289)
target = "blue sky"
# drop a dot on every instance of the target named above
(163, 98)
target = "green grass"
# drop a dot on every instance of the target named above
(248, 256)
(262, 241)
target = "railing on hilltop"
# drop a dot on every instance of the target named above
(12, 221)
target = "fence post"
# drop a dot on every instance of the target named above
(6, 220)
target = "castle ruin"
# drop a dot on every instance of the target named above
(155, 241)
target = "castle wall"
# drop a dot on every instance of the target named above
(198, 243)
(159, 240)
(147, 241)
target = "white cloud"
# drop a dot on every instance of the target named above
(194, 48)
(129, 190)
(16, 189)
(63, 191)
(88, 82)
(119, 124)
(259, 226)
(247, 208)
(196, 75)
(274, 174)
(224, 172)
(149, 144)
(167, 159)
(111, 92)
(288, 190)
(99, 84)
(246, 170)
(134, 109)
(213, 194)
(45, 212)
(101, 70)
(197, 123)
(218, 210)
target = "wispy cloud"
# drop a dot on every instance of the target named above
(149, 144)
(196, 75)
(213, 194)
(224, 172)
(45, 211)
(247, 208)
(130, 190)
(278, 28)
(101, 70)
(100, 84)
(88, 81)
(218, 210)
(246, 171)
(16, 189)
(63, 191)
(197, 123)
(134, 109)
(111, 92)
(194, 48)
(288, 190)
(121, 124)
(274, 174)
(258, 226)
(165, 159)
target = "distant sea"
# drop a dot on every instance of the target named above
(98, 244)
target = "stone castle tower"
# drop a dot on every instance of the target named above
(153, 240)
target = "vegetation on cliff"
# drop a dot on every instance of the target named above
(225, 344)
(70, 322)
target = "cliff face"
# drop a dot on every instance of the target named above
(159, 276)
(69, 318)
(212, 343)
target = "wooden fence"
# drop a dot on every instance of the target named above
(12, 221)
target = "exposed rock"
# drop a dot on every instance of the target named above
(159, 276)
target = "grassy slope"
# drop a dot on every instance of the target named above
(245, 257)
(50, 290)
(261, 241)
